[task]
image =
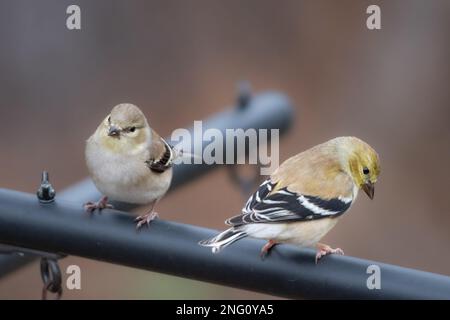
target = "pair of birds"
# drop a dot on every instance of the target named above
(299, 203)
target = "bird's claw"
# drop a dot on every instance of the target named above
(100, 205)
(267, 247)
(326, 250)
(263, 254)
(145, 219)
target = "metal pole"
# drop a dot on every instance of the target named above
(267, 110)
(62, 227)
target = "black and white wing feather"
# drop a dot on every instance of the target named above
(265, 206)
(165, 160)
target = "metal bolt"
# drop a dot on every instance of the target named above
(244, 94)
(45, 193)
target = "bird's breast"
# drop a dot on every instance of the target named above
(125, 178)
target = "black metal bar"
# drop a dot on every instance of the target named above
(168, 247)
(267, 110)
(12, 261)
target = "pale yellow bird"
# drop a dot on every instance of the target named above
(128, 161)
(304, 198)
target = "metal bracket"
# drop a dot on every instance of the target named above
(246, 184)
(51, 276)
(50, 271)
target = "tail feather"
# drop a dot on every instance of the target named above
(223, 239)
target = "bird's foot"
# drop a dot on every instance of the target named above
(145, 219)
(100, 205)
(323, 250)
(265, 250)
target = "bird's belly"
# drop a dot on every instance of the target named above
(305, 233)
(308, 233)
(127, 180)
(140, 193)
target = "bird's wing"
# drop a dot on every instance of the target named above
(270, 204)
(161, 154)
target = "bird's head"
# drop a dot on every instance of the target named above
(125, 129)
(361, 162)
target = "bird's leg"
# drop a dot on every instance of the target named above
(323, 250)
(265, 250)
(101, 204)
(145, 219)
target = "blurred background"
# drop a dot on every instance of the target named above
(180, 61)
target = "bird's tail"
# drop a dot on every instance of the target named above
(223, 239)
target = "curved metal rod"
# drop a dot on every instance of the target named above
(168, 247)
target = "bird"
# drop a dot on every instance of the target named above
(128, 161)
(304, 197)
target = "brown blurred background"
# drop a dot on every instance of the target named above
(180, 60)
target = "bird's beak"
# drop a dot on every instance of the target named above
(369, 189)
(114, 132)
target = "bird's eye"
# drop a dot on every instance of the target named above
(366, 171)
(132, 129)
(109, 119)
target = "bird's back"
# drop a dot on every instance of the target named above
(315, 171)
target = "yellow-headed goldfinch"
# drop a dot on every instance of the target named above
(304, 198)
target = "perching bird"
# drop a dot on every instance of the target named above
(128, 161)
(304, 198)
